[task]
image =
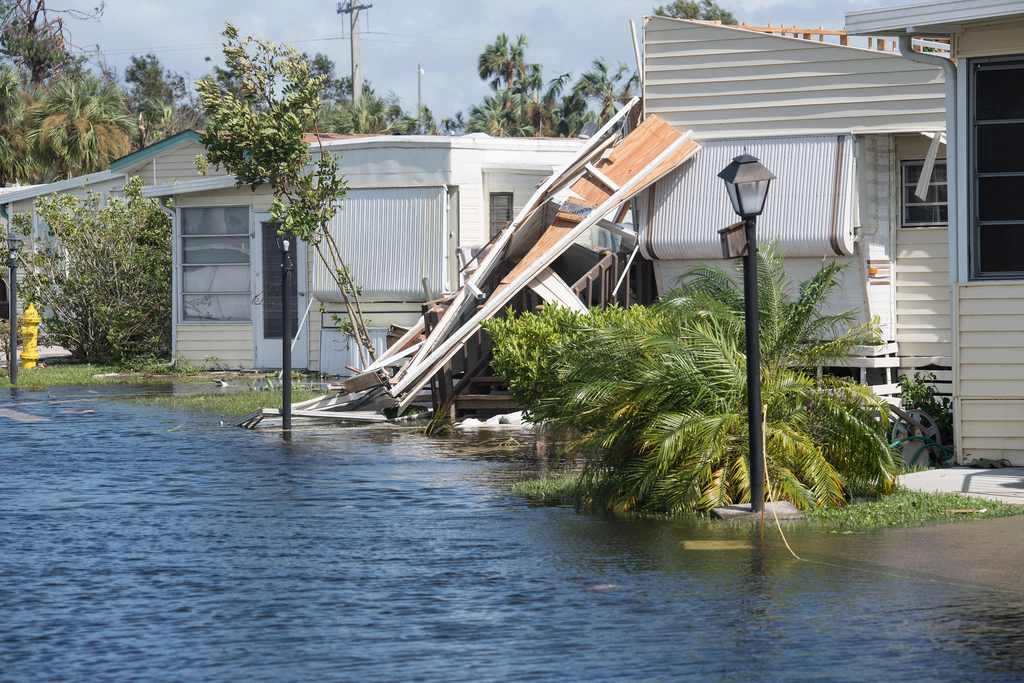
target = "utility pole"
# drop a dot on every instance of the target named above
(352, 9)
(419, 98)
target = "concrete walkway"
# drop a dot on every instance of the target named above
(45, 353)
(1005, 484)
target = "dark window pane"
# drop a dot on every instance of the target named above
(1001, 147)
(911, 173)
(501, 211)
(1001, 198)
(939, 172)
(925, 215)
(273, 327)
(1001, 248)
(934, 193)
(999, 92)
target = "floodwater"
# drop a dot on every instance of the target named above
(141, 545)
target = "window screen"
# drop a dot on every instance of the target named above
(501, 211)
(997, 157)
(933, 208)
(215, 264)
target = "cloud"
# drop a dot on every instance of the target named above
(444, 36)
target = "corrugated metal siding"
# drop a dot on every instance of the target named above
(804, 215)
(339, 350)
(848, 296)
(390, 239)
(728, 82)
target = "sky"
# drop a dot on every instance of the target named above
(445, 36)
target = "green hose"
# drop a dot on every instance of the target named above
(942, 460)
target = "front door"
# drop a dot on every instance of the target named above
(268, 324)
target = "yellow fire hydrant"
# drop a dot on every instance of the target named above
(29, 332)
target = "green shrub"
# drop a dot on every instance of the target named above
(659, 395)
(917, 393)
(103, 282)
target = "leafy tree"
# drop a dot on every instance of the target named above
(454, 125)
(103, 285)
(660, 393)
(335, 89)
(258, 133)
(159, 99)
(707, 10)
(505, 113)
(609, 88)
(36, 39)
(80, 125)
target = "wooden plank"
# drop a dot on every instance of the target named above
(555, 232)
(554, 290)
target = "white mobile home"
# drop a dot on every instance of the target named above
(985, 123)
(848, 131)
(416, 205)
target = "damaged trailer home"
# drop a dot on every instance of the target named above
(856, 138)
(418, 208)
(526, 263)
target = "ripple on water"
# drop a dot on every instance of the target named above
(133, 552)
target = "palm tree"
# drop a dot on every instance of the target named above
(606, 87)
(371, 114)
(80, 125)
(661, 394)
(503, 114)
(503, 62)
(14, 156)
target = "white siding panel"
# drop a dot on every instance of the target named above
(729, 82)
(804, 215)
(390, 239)
(992, 429)
(226, 346)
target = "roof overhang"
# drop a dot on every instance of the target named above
(60, 186)
(220, 182)
(946, 17)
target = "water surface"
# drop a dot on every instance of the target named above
(144, 545)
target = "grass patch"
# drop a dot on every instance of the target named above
(227, 404)
(61, 374)
(910, 508)
(557, 490)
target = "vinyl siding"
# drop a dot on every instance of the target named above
(729, 82)
(226, 346)
(922, 15)
(1004, 38)
(177, 163)
(923, 303)
(991, 335)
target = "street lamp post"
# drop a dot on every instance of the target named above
(747, 183)
(287, 266)
(13, 241)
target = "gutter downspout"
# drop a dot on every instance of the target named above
(949, 73)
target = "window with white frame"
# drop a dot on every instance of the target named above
(215, 264)
(933, 208)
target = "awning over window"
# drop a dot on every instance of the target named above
(809, 212)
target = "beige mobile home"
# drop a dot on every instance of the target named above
(856, 139)
(985, 114)
(417, 207)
